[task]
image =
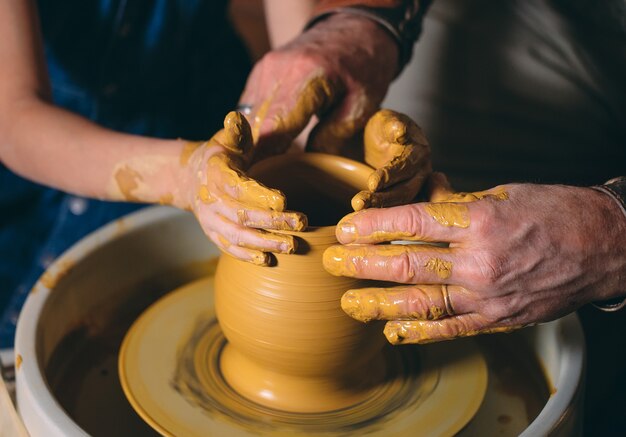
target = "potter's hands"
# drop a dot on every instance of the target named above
(519, 254)
(400, 154)
(338, 70)
(231, 207)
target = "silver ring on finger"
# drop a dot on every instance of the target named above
(244, 108)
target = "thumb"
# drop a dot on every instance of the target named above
(236, 137)
(280, 125)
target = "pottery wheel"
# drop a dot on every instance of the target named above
(169, 370)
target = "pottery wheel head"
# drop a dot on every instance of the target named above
(169, 370)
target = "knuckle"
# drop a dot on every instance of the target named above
(414, 221)
(454, 329)
(497, 312)
(410, 220)
(309, 59)
(418, 304)
(402, 268)
(491, 269)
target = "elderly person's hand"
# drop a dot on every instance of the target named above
(518, 254)
(400, 154)
(339, 70)
(236, 212)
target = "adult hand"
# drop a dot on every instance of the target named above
(518, 254)
(400, 154)
(338, 70)
(231, 207)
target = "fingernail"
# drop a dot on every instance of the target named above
(405, 332)
(351, 305)
(337, 263)
(260, 259)
(289, 246)
(346, 232)
(373, 182)
(301, 222)
(358, 202)
(392, 333)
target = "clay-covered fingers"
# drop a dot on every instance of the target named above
(408, 264)
(230, 234)
(256, 257)
(236, 208)
(279, 117)
(341, 127)
(230, 179)
(236, 137)
(450, 328)
(400, 154)
(399, 194)
(416, 302)
(423, 313)
(395, 146)
(434, 222)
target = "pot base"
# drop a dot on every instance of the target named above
(173, 379)
(302, 394)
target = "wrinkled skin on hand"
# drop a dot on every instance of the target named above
(234, 210)
(518, 254)
(339, 70)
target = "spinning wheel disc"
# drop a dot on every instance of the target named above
(169, 370)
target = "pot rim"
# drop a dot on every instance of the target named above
(324, 161)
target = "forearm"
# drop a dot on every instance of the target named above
(54, 147)
(285, 20)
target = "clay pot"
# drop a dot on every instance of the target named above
(291, 347)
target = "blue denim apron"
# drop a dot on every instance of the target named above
(163, 68)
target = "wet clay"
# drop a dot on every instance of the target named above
(449, 214)
(495, 194)
(166, 199)
(259, 117)
(441, 267)
(128, 181)
(187, 151)
(290, 346)
(418, 332)
(340, 260)
(400, 154)
(314, 97)
(395, 146)
(236, 137)
(368, 304)
(248, 190)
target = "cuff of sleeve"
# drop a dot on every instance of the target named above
(616, 189)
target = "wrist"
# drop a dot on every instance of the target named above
(357, 41)
(615, 192)
(401, 20)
